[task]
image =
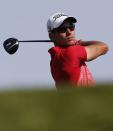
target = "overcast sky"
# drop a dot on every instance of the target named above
(26, 19)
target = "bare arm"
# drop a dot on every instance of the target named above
(94, 49)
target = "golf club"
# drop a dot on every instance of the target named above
(11, 45)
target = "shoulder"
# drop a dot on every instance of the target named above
(54, 49)
(76, 48)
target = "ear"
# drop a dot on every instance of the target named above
(51, 36)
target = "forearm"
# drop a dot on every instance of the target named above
(94, 49)
(88, 43)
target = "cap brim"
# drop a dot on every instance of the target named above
(72, 19)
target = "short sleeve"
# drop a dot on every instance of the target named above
(81, 52)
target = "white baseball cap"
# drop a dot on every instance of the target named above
(57, 19)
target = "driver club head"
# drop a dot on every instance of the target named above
(11, 45)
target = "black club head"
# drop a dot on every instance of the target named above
(11, 45)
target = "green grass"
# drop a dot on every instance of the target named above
(57, 110)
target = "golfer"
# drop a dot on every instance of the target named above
(68, 56)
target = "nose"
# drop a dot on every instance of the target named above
(68, 31)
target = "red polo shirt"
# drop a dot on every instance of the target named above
(68, 65)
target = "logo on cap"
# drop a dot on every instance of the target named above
(58, 16)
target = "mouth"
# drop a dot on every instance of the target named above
(70, 38)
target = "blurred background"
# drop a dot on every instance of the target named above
(80, 109)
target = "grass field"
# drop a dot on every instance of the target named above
(57, 110)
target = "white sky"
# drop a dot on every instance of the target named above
(26, 19)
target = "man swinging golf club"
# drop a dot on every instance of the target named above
(68, 56)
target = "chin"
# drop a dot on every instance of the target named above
(71, 42)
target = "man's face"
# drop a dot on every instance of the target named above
(65, 34)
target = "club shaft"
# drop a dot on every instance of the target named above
(35, 41)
